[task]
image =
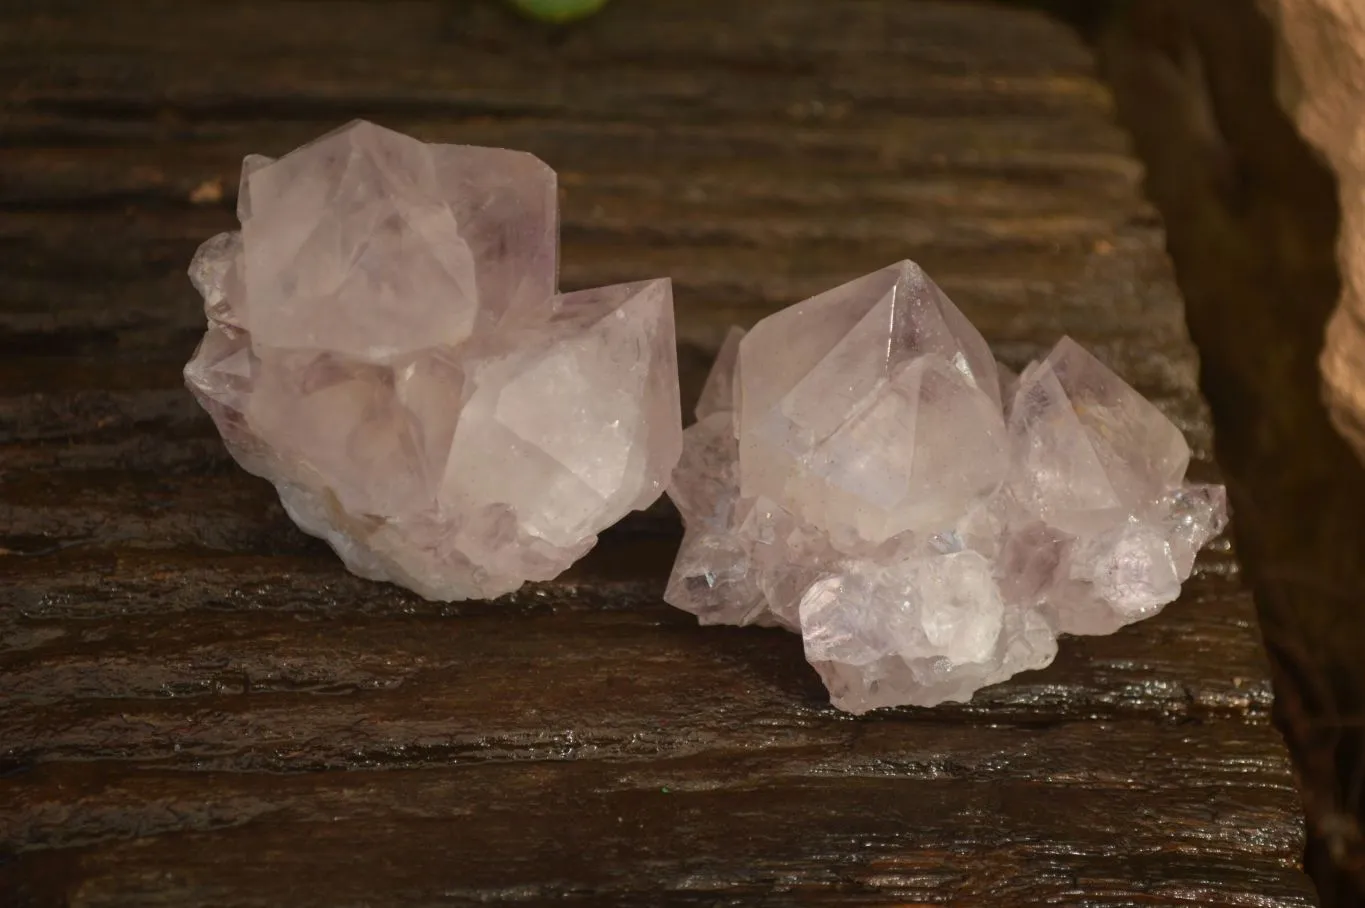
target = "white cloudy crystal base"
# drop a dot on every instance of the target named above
(387, 346)
(862, 472)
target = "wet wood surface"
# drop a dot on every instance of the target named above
(198, 706)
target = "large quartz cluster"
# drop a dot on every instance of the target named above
(864, 473)
(386, 345)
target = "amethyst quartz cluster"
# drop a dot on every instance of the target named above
(386, 344)
(864, 473)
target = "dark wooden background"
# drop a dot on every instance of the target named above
(1251, 215)
(199, 707)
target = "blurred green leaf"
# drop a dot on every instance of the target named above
(558, 11)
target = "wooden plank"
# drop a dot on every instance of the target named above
(199, 707)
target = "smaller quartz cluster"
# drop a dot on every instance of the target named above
(387, 345)
(863, 472)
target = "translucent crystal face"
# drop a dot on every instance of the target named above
(935, 624)
(842, 397)
(386, 344)
(1087, 445)
(563, 428)
(853, 477)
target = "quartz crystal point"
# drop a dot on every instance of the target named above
(862, 472)
(386, 345)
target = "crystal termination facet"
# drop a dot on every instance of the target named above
(864, 473)
(386, 345)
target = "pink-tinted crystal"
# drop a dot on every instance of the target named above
(386, 345)
(864, 473)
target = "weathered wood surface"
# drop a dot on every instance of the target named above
(199, 707)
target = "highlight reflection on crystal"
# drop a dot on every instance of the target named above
(387, 346)
(858, 476)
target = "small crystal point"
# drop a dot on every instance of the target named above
(863, 473)
(386, 345)
(1089, 444)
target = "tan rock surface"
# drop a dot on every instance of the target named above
(1321, 82)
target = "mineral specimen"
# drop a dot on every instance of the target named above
(864, 473)
(386, 345)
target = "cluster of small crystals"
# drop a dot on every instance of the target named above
(863, 472)
(386, 345)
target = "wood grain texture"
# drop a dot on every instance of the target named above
(199, 707)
